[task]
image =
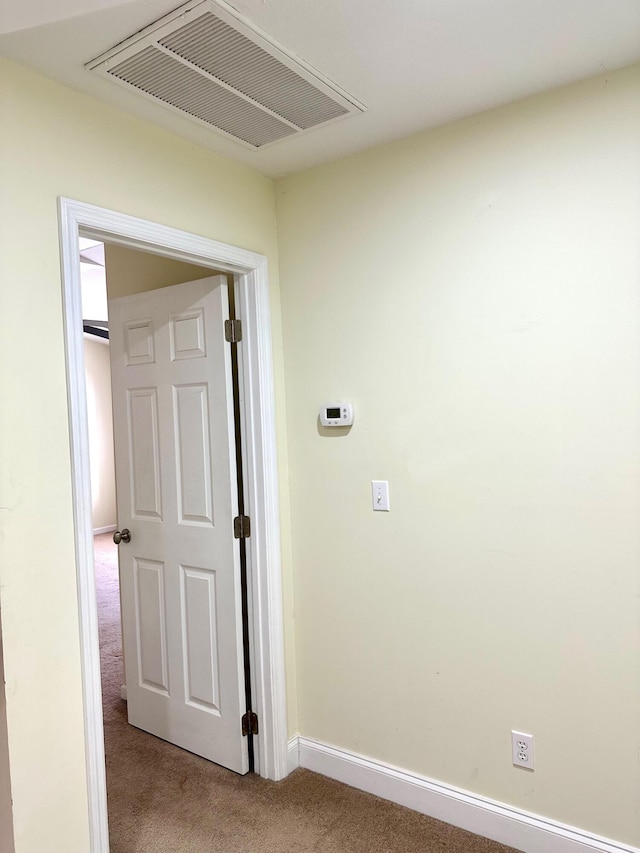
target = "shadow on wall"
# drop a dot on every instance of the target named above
(6, 815)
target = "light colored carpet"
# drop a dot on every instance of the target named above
(165, 800)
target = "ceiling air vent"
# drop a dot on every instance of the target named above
(213, 67)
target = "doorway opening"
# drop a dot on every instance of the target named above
(146, 284)
(249, 271)
(111, 272)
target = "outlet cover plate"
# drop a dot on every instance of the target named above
(522, 750)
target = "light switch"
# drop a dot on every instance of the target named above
(380, 495)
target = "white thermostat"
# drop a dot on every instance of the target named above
(336, 414)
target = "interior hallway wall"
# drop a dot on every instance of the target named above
(50, 141)
(100, 418)
(131, 271)
(475, 292)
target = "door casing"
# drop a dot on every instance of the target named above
(259, 461)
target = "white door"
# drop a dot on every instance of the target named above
(176, 488)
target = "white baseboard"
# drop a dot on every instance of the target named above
(293, 754)
(123, 692)
(108, 529)
(505, 824)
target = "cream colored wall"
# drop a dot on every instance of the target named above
(51, 139)
(130, 271)
(6, 821)
(475, 292)
(100, 417)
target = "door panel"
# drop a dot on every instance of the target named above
(201, 633)
(138, 342)
(144, 453)
(176, 487)
(151, 633)
(193, 455)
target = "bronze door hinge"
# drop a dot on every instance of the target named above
(242, 527)
(249, 723)
(233, 331)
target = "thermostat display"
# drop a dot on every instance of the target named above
(336, 414)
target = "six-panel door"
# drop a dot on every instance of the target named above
(176, 490)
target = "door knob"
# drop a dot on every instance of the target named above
(122, 536)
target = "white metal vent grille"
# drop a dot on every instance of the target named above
(206, 63)
(170, 81)
(214, 46)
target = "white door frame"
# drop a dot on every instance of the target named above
(261, 485)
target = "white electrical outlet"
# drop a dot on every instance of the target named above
(522, 750)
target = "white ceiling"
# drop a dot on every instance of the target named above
(415, 64)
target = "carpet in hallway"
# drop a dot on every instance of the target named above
(164, 800)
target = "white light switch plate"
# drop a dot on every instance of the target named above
(380, 495)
